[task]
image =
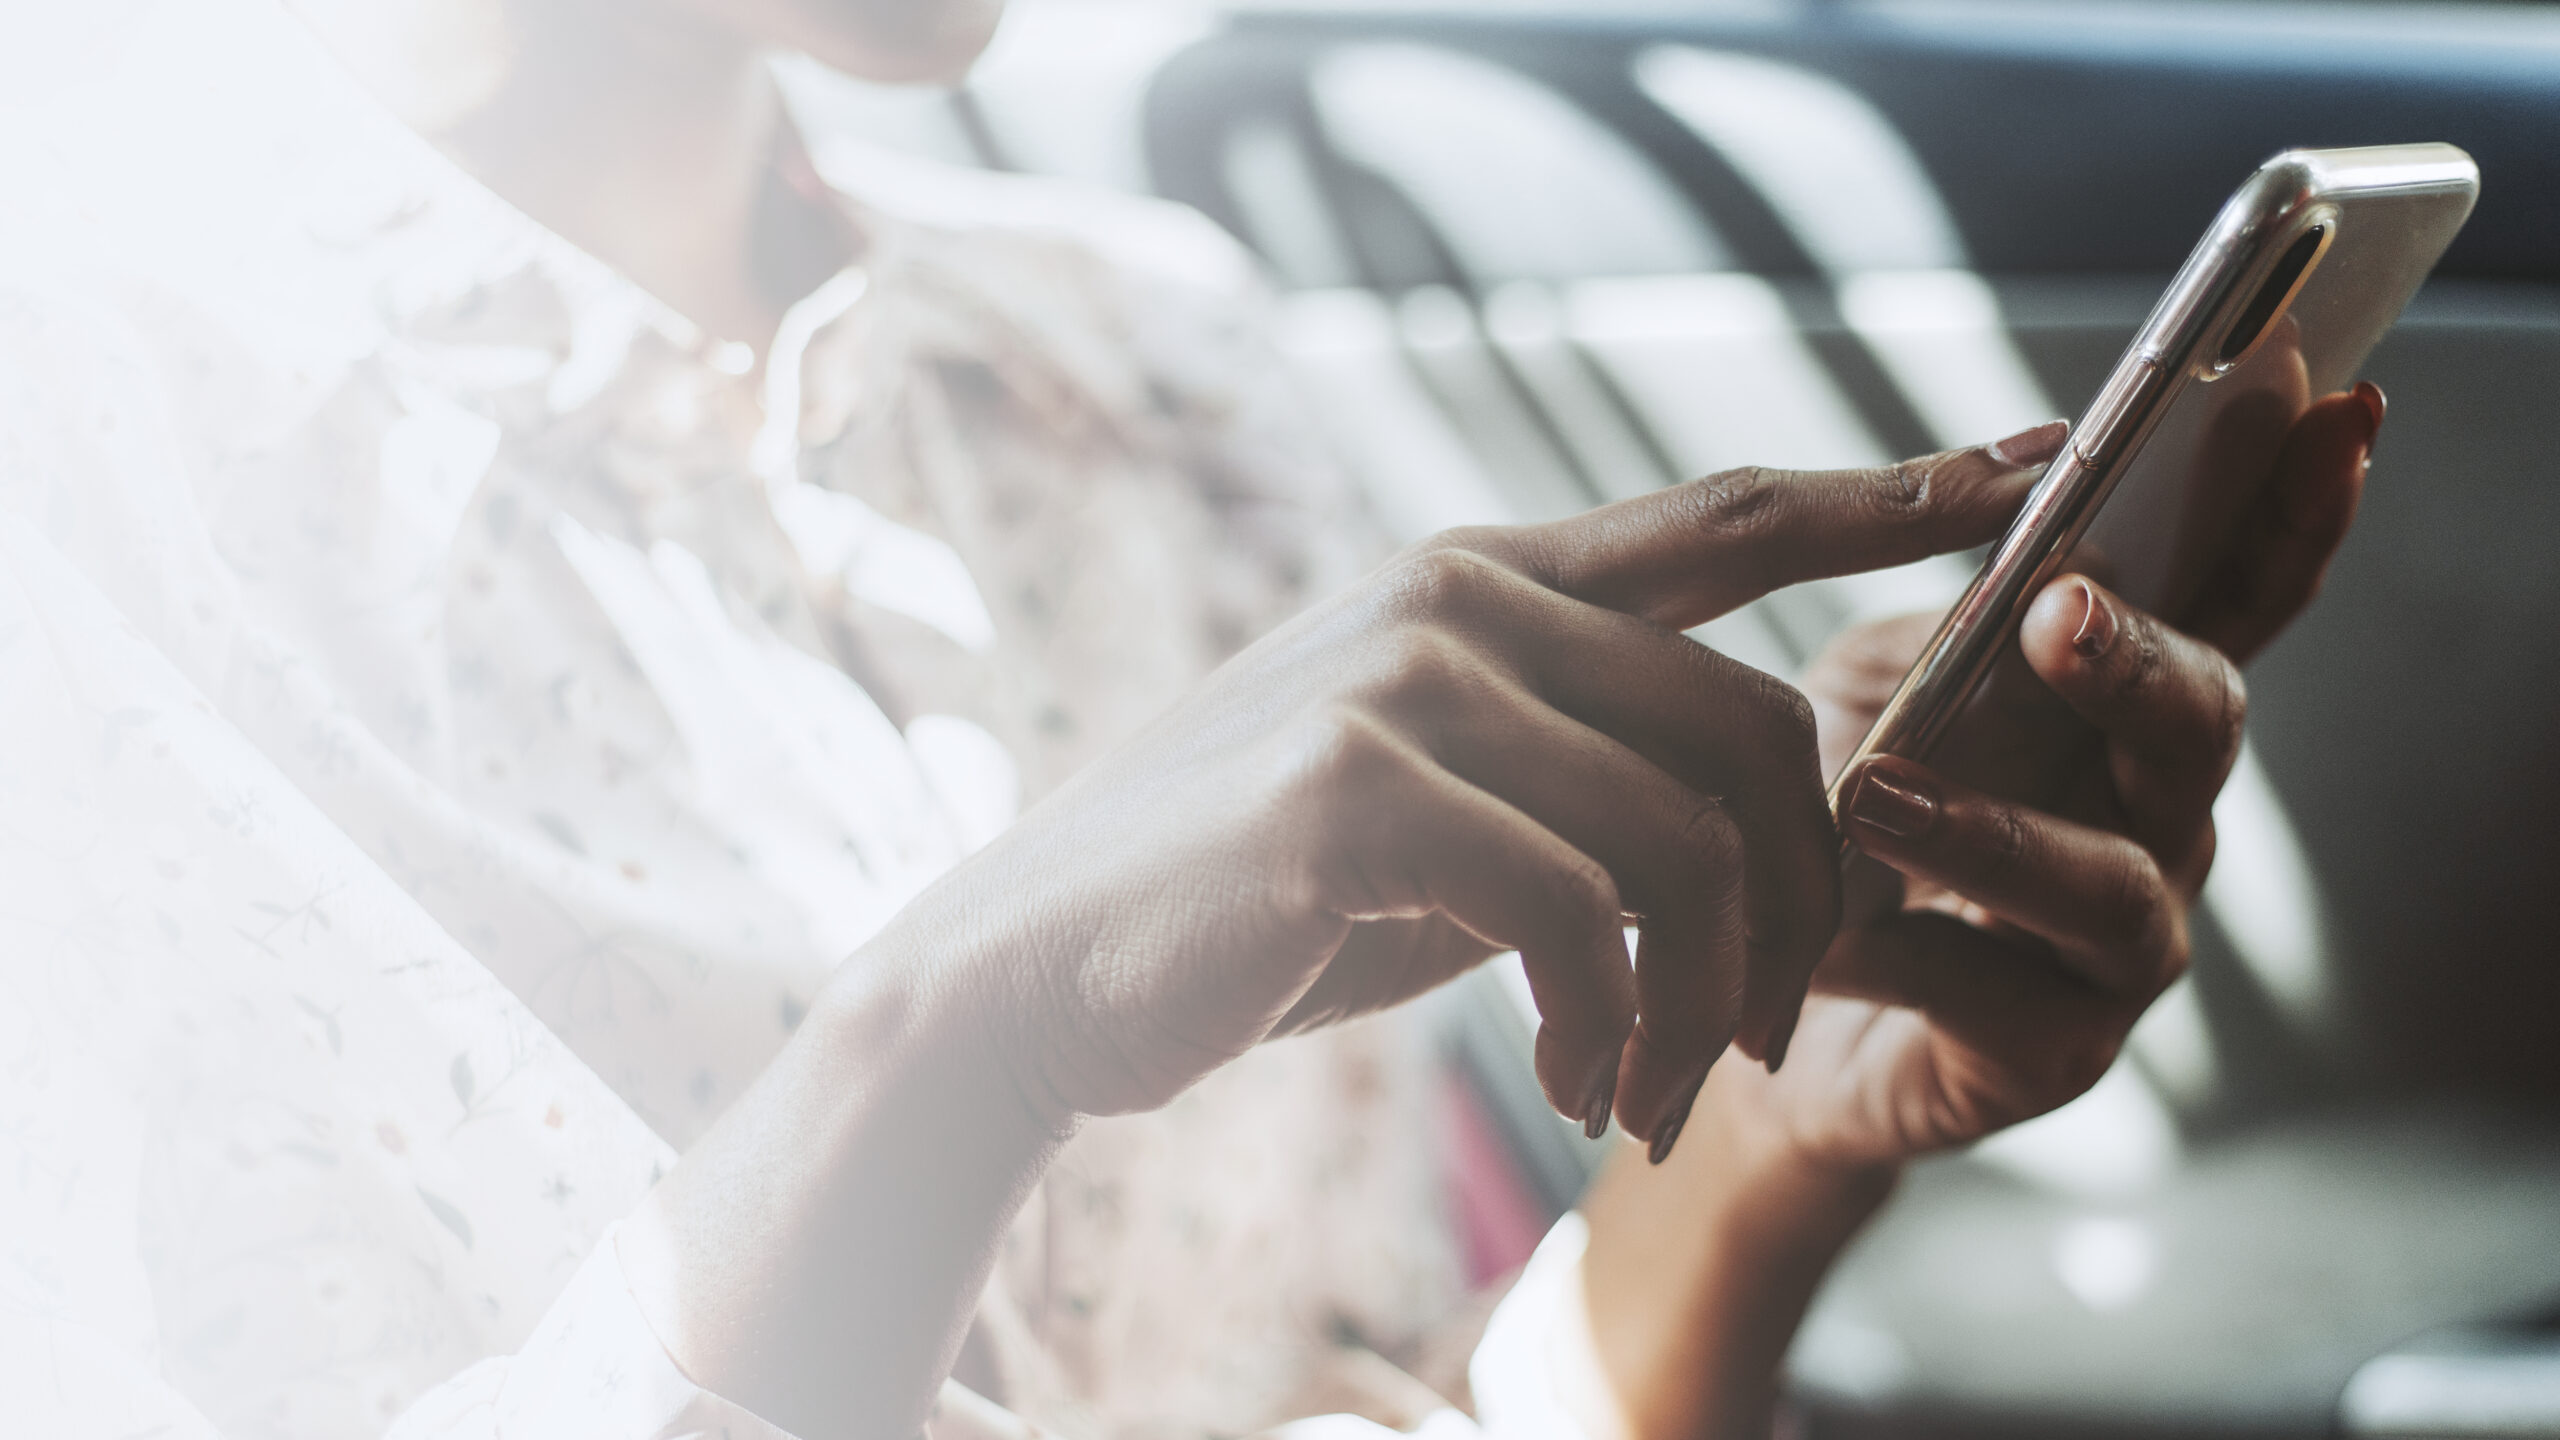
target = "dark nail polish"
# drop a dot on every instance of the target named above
(2032, 446)
(1667, 1136)
(1604, 1098)
(1785, 1036)
(2097, 630)
(1898, 806)
(1668, 1133)
(2369, 396)
(2375, 407)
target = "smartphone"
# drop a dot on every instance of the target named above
(2302, 272)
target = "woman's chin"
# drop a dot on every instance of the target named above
(896, 42)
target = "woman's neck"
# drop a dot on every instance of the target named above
(638, 130)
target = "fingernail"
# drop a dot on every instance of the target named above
(2309, 502)
(1785, 1036)
(2032, 446)
(1669, 1134)
(1604, 1098)
(1899, 807)
(2370, 396)
(2375, 407)
(2097, 630)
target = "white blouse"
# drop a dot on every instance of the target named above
(448, 732)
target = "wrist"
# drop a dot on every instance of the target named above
(1784, 1195)
(1764, 1146)
(1753, 1204)
(817, 1254)
(940, 999)
(1699, 1269)
(912, 1015)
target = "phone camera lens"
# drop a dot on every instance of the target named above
(2270, 296)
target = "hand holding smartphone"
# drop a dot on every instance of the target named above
(2300, 275)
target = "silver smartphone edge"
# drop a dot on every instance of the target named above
(2274, 206)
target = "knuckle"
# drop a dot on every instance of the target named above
(1778, 717)
(1737, 499)
(2173, 962)
(1710, 838)
(2003, 839)
(1486, 541)
(2143, 660)
(2138, 909)
(1790, 717)
(2189, 875)
(2143, 931)
(2231, 709)
(1443, 579)
(1904, 488)
(2079, 1065)
(1585, 899)
(1343, 749)
(1422, 666)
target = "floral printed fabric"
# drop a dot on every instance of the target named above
(451, 730)
(278, 1145)
(592, 1368)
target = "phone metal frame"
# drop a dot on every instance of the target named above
(2289, 194)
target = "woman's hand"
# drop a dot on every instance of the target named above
(1993, 977)
(2026, 942)
(1500, 741)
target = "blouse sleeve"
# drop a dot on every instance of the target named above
(595, 1370)
(592, 1370)
(1534, 1374)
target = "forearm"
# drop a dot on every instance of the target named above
(816, 1257)
(1699, 1270)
